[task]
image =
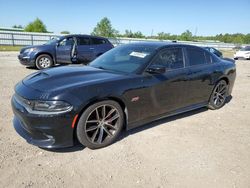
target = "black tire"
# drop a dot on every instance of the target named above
(235, 58)
(44, 61)
(219, 95)
(93, 132)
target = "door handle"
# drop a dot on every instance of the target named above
(91, 48)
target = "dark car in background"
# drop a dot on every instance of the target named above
(64, 50)
(128, 86)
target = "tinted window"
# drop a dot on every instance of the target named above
(171, 58)
(83, 41)
(196, 56)
(97, 41)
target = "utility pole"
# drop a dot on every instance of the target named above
(152, 32)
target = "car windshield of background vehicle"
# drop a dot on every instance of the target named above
(247, 48)
(124, 59)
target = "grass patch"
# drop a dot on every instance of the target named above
(10, 48)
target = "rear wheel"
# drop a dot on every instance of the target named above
(100, 124)
(44, 61)
(219, 95)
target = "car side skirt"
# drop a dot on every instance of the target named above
(165, 115)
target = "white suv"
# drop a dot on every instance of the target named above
(243, 53)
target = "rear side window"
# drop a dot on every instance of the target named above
(196, 56)
(171, 58)
(96, 41)
(83, 41)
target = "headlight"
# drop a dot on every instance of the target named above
(29, 50)
(44, 107)
(51, 106)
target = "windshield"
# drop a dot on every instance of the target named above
(247, 48)
(124, 58)
(53, 40)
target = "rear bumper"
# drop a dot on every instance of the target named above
(26, 60)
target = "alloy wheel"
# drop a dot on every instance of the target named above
(101, 124)
(219, 95)
(44, 62)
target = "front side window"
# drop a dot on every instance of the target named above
(170, 58)
(67, 42)
(196, 56)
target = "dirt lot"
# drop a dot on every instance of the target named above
(203, 148)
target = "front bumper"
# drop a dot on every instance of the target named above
(50, 131)
(26, 60)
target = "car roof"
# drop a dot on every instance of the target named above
(83, 35)
(159, 45)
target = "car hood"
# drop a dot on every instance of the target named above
(35, 46)
(66, 77)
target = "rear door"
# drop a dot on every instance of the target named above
(100, 46)
(85, 51)
(201, 73)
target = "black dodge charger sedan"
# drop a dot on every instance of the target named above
(128, 86)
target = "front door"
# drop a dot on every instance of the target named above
(169, 92)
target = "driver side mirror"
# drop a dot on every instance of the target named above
(156, 69)
(57, 44)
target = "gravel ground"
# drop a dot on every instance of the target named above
(202, 148)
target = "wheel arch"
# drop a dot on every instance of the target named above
(116, 99)
(46, 53)
(223, 78)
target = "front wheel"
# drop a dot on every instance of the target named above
(219, 95)
(100, 124)
(44, 61)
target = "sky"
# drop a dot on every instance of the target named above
(201, 17)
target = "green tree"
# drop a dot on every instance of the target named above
(138, 34)
(65, 32)
(130, 34)
(104, 28)
(187, 35)
(36, 26)
(164, 36)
